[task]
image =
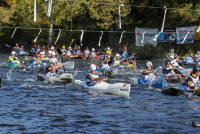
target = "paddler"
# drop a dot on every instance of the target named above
(78, 51)
(42, 52)
(148, 73)
(50, 51)
(125, 53)
(193, 80)
(69, 51)
(16, 48)
(22, 49)
(36, 63)
(174, 62)
(52, 69)
(190, 59)
(86, 52)
(34, 49)
(93, 53)
(38, 49)
(53, 58)
(63, 49)
(197, 56)
(117, 60)
(105, 65)
(108, 49)
(169, 70)
(92, 77)
(13, 59)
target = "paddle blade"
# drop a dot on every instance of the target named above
(59, 51)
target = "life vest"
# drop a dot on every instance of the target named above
(43, 54)
(38, 49)
(149, 76)
(49, 53)
(12, 60)
(87, 52)
(125, 54)
(69, 53)
(174, 63)
(89, 78)
(35, 64)
(78, 51)
(93, 54)
(105, 66)
(194, 83)
(170, 73)
(63, 50)
(51, 72)
(17, 49)
(189, 60)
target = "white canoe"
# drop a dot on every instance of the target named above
(121, 89)
(63, 78)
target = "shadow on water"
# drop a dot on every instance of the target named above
(31, 106)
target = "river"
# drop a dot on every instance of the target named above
(31, 106)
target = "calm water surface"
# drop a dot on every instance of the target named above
(31, 106)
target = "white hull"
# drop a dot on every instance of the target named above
(68, 65)
(117, 88)
(63, 78)
(23, 53)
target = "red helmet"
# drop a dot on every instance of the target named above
(52, 46)
(39, 55)
(16, 44)
(125, 47)
(42, 47)
(34, 45)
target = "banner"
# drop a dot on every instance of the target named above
(168, 35)
(197, 34)
(146, 36)
(185, 35)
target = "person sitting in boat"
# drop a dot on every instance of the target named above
(109, 57)
(92, 77)
(34, 49)
(63, 49)
(170, 71)
(16, 48)
(117, 60)
(148, 73)
(108, 49)
(93, 53)
(42, 52)
(197, 56)
(22, 49)
(78, 51)
(69, 51)
(193, 80)
(48, 54)
(174, 62)
(38, 49)
(52, 69)
(53, 58)
(125, 53)
(190, 59)
(35, 63)
(13, 59)
(86, 52)
(75, 48)
(105, 65)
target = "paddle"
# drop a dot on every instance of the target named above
(112, 53)
(71, 42)
(60, 53)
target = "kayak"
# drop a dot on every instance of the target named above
(23, 53)
(63, 78)
(158, 82)
(127, 66)
(14, 65)
(45, 58)
(175, 91)
(77, 56)
(195, 124)
(121, 89)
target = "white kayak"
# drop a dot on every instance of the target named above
(69, 65)
(63, 78)
(23, 53)
(121, 89)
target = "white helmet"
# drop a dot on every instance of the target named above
(117, 55)
(93, 67)
(93, 49)
(69, 47)
(149, 64)
(52, 48)
(13, 52)
(172, 50)
(79, 47)
(108, 48)
(191, 54)
(53, 53)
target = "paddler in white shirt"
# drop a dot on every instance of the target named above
(42, 52)
(93, 53)
(69, 51)
(174, 62)
(117, 60)
(49, 52)
(13, 59)
(52, 69)
(86, 52)
(63, 49)
(92, 77)
(78, 51)
(190, 59)
(148, 73)
(53, 58)
(197, 56)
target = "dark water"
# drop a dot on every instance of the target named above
(30, 106)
